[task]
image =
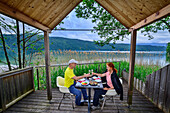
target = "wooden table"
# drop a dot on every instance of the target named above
(89, 87)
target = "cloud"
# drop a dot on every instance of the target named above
(72, 22)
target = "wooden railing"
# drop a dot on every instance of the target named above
(156, 87)
(14, 86)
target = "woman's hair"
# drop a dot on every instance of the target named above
(111, 65)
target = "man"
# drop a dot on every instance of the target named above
(70, 82)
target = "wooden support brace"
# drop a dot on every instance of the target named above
(131, 66)
(47, 64)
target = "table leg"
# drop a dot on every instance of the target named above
(89, 102)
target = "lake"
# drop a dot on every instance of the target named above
(60, 57)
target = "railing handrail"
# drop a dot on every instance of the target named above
(11, 73)
(55, 65)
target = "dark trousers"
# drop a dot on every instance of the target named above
(97, 95)
(78, 93)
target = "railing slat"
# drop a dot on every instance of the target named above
(162, 88)
(151, 85)
(167, 92)
(2, 96)
(156, 87)
(147, 85)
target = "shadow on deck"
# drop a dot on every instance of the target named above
(37, 102)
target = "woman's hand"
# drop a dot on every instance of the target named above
(105, 88)
(93, 73)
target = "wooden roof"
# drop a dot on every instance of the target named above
(46, 14)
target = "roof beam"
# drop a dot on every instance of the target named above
(5, 9)
(152, 18)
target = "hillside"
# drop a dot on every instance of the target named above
(57, 43)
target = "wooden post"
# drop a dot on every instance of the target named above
(47, 64)
(131, 66)
(38, 79)
(119, 68)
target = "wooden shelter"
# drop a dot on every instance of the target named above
(46, 14)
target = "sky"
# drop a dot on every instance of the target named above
(72, 22)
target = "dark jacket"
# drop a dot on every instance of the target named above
(116, 84)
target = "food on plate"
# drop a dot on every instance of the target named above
(93, 83)
(84, 83)
(95, 78)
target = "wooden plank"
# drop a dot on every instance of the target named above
(17, 85)
(130, 10)
(39, 9)
(137, 84)
(21, 16)
(147, 85)
(48, 9)
(140, 86)
(2, 95)
(167, 93)
(21, 83)
(131, 66)
(6, 89)
(57, 19)
(138, 6)
(152, 18)
(125, 75)
(143, 88)
(156, 86)
(32, 78)
(13, 88)
(162, 88)
(134, 82)
(38, 82)
(114, 13)
(28, 81)
(33, 6)
(51, 10)
(121, 9)
(47, 63)
(151, 85)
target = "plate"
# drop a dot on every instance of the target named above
(82, 79)
(95, 78)
(93, 83)
(84, 83)
(98, 80)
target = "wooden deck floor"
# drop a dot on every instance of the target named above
(37, 103)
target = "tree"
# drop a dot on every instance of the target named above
(24, 42)
(5, 51)
(168, 52)
(89, 9)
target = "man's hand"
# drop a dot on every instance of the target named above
(86, 75)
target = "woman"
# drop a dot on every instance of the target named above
(112, 83)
